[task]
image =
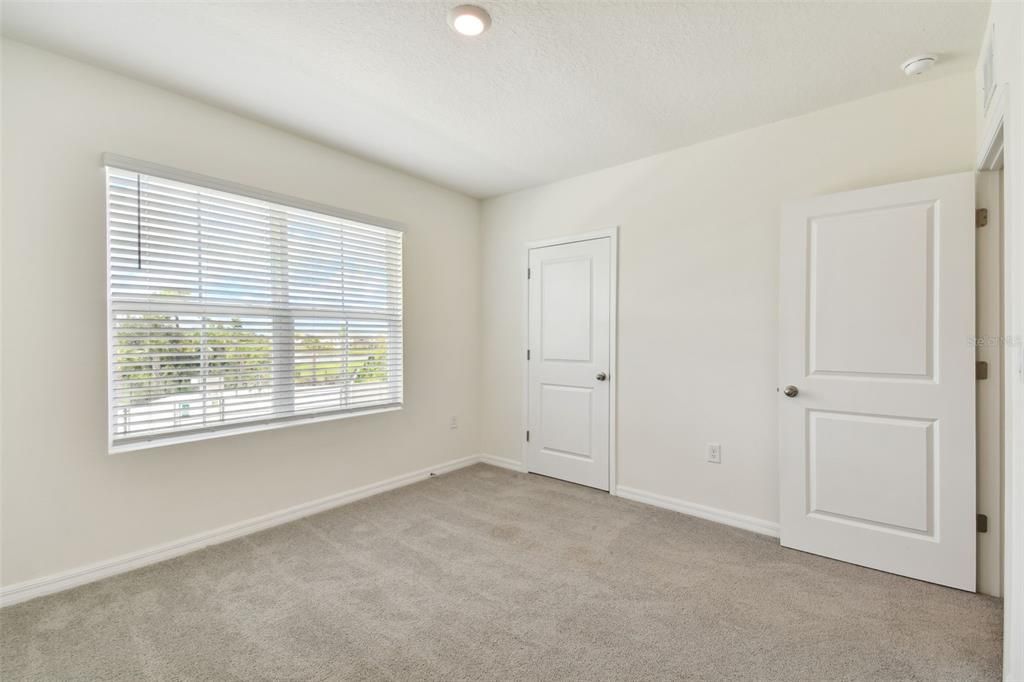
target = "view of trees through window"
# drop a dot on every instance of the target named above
(163, 354)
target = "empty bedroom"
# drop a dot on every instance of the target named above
(513, 340)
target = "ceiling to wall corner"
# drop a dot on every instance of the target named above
(552, 90)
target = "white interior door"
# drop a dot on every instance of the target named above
(569, 372)
(877, 445)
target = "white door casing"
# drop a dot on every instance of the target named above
(990, 335)
(570, 331)
(877, 449)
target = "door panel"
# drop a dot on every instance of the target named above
(569, 341)
(566, 419)
(877, 459)
(852, 297)
(566, 329)
(850, 453)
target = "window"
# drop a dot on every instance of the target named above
(232, 309)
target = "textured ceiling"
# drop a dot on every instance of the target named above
(554, 89)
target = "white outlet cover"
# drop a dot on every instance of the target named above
(714, 453)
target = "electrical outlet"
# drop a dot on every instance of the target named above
(454, 423)
(714, 453)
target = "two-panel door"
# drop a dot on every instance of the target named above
(569, 374)
(877, 394)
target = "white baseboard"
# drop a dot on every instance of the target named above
(699, 510)
(38, 587)
(727, 518)
(503, 462)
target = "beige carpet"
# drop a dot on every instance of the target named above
(487, 574)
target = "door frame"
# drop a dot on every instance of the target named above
(1001, 146)
(991, 348)
(612, 234)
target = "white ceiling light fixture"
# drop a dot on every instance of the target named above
(469, 20)
(915, 66)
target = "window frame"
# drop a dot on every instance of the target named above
(157, 440)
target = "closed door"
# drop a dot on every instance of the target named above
(877, 416)
(569, 381)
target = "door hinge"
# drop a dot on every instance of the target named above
(981, 217)
(527, 436)
(982, 523)
(527, 273)
(980, 370)
(527, 353)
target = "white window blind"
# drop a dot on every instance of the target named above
(231, 312)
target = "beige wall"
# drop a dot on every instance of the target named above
(65, 502)
(698, 283)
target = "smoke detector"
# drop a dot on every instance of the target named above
(915, 66)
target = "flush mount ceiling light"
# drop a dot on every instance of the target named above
(469, 20)
(915, 66)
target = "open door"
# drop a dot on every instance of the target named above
(876, 383)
